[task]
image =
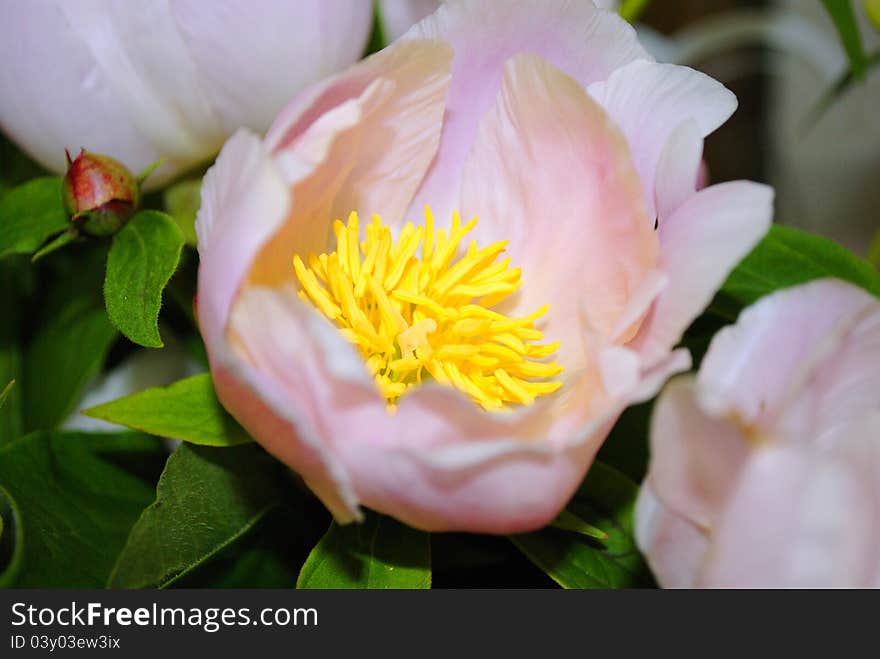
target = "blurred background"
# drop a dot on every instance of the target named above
(781, 57)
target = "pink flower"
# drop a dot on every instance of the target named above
(550, 123)
(765, 469)
(171, 79)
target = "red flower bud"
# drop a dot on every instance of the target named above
(100, 194)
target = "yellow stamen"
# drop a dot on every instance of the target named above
(411, 316)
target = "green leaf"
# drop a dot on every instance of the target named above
(17, 167)
(267, 556)
(626, 447)
(786, 257)
(844, 18)
(568, 521)
(874, 251)
(142, 259)
(207, 498)
(12, 301)
(66, 352)
(5, 392)
(378, 40)
(186, 410)
(872, 9)
(77, 497)
(837, 89)
(630, 10)
(29, 214)
(378, 553)
(11, 545)
(182, 202)
(606, 500)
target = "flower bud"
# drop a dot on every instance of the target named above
(100, 194)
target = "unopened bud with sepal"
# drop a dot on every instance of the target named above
(100, 193)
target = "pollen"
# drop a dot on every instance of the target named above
(416, 308)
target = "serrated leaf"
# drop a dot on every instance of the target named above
(207, 498)
(77, 497)
(786, 257)
(378, 553)
(31, 213)
(142, 259)
(606, 500)
(11, 545)
(187, 410)
(844, 18)
(65, 353)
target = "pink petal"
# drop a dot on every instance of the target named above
(699, 245)
(673, 546)
(400, 15)
(244, 201)
(695, 458)
(584, 42)
(263, 408)
(679, 169)
(439, 463)
(251, 62)
(759, 366)
(798, 519)
(74, 118)
(551, 173)
(841, 383)
(367, 152)
(649, 101)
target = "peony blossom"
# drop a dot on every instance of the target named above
(469, 388)
(165, 79)
(765, 468)
(399, 15)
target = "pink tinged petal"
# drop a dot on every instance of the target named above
(400, 15)
(649, 100)
(797, 519)
(699, 246)
(251, 62)
(843, 380)
(550, 173)
(770, 358)
(620, 369)
(244, 201)
(673, 546)
(656, 375)
(439, 463)
(679, 169)
(516, 492)
(584, 42)
(85, 102)
(625, 378)
(367, 152)
(271, 376)
(695, 458)
(160, 87)
(263, 409)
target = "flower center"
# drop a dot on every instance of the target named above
(412, 316)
